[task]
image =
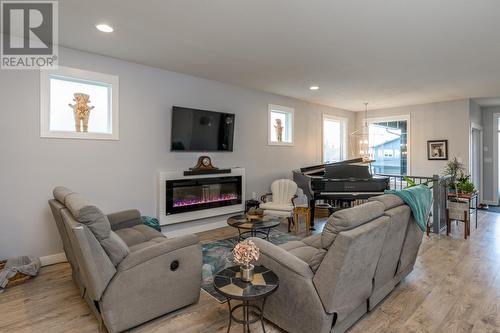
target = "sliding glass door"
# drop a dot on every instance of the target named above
(388, 146)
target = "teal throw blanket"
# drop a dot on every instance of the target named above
(419, 198)
(151, 222)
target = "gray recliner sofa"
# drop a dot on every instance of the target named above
(330, 280)
(400, 250)
(127, 272)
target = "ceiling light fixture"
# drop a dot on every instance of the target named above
(360, 138)
(313, 87)
(104, 28)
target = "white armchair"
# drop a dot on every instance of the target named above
(283, 192)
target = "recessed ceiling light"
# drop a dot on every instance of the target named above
(104, 28)
(314, 87)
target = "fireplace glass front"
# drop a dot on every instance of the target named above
(187, 195)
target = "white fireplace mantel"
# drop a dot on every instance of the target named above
(166, 220)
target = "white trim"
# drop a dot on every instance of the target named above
(389, 118)
(475, 126)
(188, 229)
(406, 118)
(495, 157)
(53, 259)
(112, 80)
(281, 108)
(344, 125)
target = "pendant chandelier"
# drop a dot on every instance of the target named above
(360, 139)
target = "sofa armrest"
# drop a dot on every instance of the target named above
(153, 251)
(124, 219)
(283, 258)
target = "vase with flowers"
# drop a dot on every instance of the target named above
(244, 253)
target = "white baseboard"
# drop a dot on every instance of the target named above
(490, 202)
(185, 228)
(53, 259)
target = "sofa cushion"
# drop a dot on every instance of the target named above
(305, 253)
(317, 259)
(314, 241)
(277, 213)
(85, 212)
(138, 234)
(348, 219)
(292, 245)
(309, 254)
(60, 193)
(115, 248)
(276, 206)
(389, 200)
(149, 243)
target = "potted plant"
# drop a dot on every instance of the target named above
(464, 185)
(411, 183)
(454, 168)
(244, 253)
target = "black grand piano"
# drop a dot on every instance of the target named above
(344, 182)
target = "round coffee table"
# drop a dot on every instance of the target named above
(229, 284)
(255, 227)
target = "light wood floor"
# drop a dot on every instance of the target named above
(455, 287)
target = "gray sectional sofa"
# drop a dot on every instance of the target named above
(127, 272)
(330, 280)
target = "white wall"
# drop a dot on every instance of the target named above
(121, 174)
(475, 113)
(435, 121)
(489, 131)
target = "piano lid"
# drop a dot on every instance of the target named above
(354, 170)
(340, 170)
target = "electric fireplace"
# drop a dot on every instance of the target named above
(187, 195)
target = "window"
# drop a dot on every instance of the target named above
(79, 104)
(280, 125)
(334, 139)
(388, 146)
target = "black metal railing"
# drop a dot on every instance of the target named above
(437, 184)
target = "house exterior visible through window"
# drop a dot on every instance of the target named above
(388, 146)
(280, 130)
(334, 139)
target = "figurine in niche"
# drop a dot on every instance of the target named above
(279, 130)
(82, 111)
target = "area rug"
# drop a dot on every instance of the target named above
(492, 209)
(218, 255)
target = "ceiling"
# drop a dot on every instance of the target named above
(386, 52)
(488, 101)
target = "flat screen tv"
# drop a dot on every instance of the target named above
(201, 130)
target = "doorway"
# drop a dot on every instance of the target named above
(476, 158)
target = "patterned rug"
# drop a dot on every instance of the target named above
(218, 255)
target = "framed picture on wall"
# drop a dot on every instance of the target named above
(437, 149)
(78, 104)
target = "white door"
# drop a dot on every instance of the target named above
(475, 163)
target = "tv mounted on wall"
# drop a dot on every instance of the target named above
(201, 130)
